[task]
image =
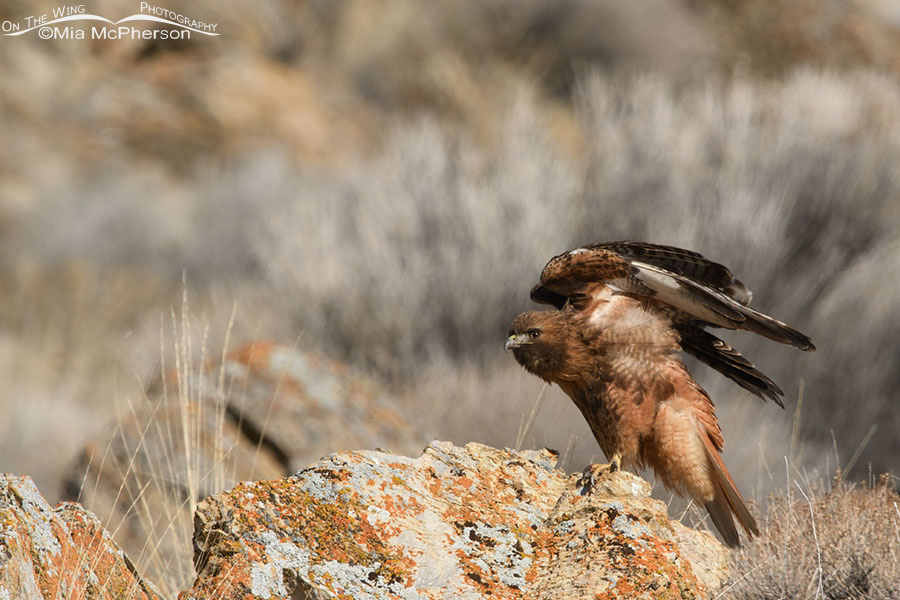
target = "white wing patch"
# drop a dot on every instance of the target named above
(669, 290)
(578, 251)
(655, 278)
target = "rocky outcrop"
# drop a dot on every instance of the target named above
(263, 413)
(61, 552)
(471, 522)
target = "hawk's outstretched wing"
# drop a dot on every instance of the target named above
(694, 291)
(682, 262)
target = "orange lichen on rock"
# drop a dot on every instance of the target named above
(61, 552)
(473, 522)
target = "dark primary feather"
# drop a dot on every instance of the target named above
(715, 353)
(735, 315)
(774, 329)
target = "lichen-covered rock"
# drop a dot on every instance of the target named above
(471, 522)
(62, 552)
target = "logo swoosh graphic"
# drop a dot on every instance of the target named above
(61, 20)
(105, 20)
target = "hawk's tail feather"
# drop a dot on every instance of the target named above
(717, 354)
(727, 500)
(721, 517)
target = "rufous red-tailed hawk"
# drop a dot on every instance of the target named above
(622, 311)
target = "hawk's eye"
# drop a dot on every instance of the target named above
(534, 333)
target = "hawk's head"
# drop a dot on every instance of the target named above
(538, 341)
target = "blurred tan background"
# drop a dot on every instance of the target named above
(382, 181)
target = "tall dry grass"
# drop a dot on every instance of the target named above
(163, 453)
(829, 542)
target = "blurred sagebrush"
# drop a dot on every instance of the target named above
(424, 252)
(794, 186)
(421, 254)
(428, 250)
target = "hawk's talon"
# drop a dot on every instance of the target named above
(588, 480)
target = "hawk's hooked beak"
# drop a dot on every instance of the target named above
(514, 341)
